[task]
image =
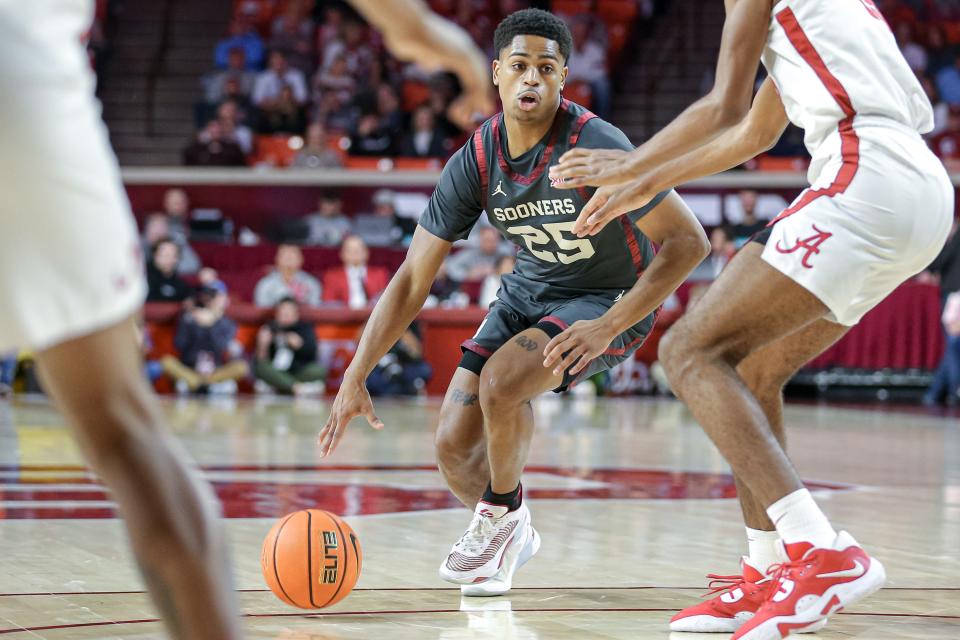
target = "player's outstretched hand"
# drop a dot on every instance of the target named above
(352, 400)
(591, 168)
(577, 345)
(609, 203)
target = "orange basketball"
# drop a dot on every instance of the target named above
(311, 559)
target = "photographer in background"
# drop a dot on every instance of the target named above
(402, 371)
(210, 360)
(286, 356)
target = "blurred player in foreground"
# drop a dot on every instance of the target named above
(71, 281)
(878, 212)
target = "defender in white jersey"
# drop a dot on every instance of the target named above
(878, 210)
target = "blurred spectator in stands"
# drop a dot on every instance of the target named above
(331, 26)
(355, 284)
(156, 227)
(446, 292)
(947, 144)
(316, 152)
(388, 107)
(478, 262)
(382, 227)
(371, 137)
(210, 149)
(243, 36)
(8, 370)
(231, 122)
(209, 358)
(327, 226)
(491, 284)
(269, 86)
(588, 63)
(286, 356)
(283, 115)
(941, 110)
(215, 84)
(402, 371)
(946, 269)
(424, 141)
(948, 82)
(914, 53)
(790, 144)
(287, 280)
(335, 84)
(722, 249)
(940, 54)
(354, 46)
(292, 34)
(163, 283)
(749, 224)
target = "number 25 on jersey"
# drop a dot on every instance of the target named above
(536, 239)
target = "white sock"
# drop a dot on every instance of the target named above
(763, 550)
(799, 519)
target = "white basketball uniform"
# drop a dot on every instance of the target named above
(880, 203)
(70, 261)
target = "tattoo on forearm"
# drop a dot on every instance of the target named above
(527, 343)
(464, 398)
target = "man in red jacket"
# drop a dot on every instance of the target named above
(355, 284)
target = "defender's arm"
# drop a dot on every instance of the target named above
(727, 104)
(756, 133)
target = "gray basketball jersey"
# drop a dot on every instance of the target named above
(530, 211)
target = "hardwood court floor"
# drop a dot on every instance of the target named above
(630, 497)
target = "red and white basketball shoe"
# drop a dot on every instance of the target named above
(736, 600)
(813, 584)
(513, 558)
(482, 550)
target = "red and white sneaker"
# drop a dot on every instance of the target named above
(736, 600)
(480, 553)
(513, 558)
(813, 584)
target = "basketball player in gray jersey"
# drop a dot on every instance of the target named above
(602, 292)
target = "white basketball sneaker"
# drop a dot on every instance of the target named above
(514, 558)
(483, 549)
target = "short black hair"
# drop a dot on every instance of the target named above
(533, 22)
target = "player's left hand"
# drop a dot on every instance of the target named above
(609, 203)
(577, 345)
(592, 168)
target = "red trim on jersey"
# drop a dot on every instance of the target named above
(637, 341)
(849, 141)
(481, 156)
(471, 345)
(555, 320)
(632, 244)
(584, 118)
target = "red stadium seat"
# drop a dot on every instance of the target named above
(571, 7)
(780, 163)
(417, 164)
(617, 11)
(579, 92)
(274, 150)
(617, 36)
(414, 94)
(362, 163)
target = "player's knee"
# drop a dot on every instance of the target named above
(499, 386)
(763, 379)
(675, 354)
(120, 427)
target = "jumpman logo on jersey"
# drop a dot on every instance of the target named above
(810, 244)
(499, 190)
